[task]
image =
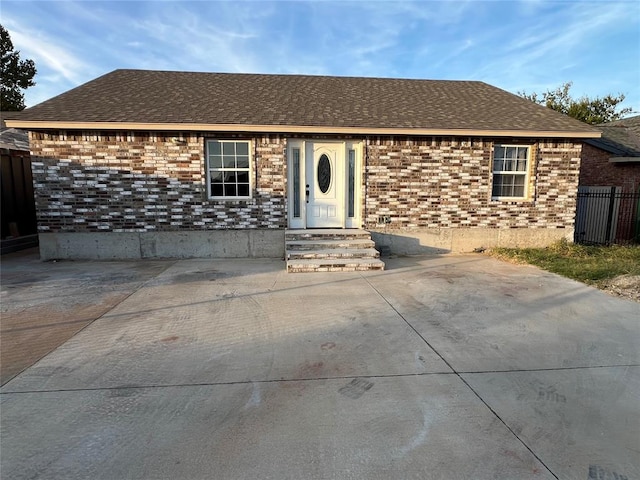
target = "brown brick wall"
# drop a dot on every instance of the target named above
(124, 182)
(596, 170)
(101, 182)
(446, 183)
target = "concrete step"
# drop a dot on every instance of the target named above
(328, 233)
(334, 265)
(331, 250)
(317, 244)
(345, 253)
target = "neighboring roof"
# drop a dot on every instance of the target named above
(161, 100)
(12, 138)
(621, 137)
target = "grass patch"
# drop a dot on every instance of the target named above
(592, 265)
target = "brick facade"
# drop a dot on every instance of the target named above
(112, 182)
(446, 183)
(596, 170)
(94, 182)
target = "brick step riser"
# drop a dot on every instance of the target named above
(296, 238)
(324, 246)
(332, 269)
(321, 256)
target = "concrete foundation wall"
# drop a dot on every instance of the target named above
(462, 240)
(255, 243)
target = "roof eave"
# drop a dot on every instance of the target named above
(310, 129)
(627, 159)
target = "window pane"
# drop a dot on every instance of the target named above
(522, 165)
(228, 148)
(230, 190)
(324, 173)
(509, 165)
(296, 182)
(216, 177)
(229, 162)
(498, 165)
(243, 189)
(506, 188)
(522, 153)
(217, 190)
(214, 148)
(229, 177)
(511, 152)
(498, 152)
(352, 180)
(497, 185)
(215, 161)
(242, 148)
(243, 177)
(243, 162)
(508, 185)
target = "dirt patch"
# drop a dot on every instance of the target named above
(625, 286)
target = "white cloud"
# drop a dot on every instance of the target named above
(45, 51)
(58, 66)
(547, 48)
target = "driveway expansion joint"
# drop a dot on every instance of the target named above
(459, 375)
(216, 384)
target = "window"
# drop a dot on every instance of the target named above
(351, 193)
(296, 183)
(228, 169)
(510, 166)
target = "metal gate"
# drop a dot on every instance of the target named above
(606, 215)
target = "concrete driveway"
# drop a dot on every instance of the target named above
(440, 367)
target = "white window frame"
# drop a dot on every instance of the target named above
(524, 173)
(209, 169)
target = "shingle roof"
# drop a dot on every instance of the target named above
(621, 137)
(144, 97)
(12, 138)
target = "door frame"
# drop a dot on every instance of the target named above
(352, 152)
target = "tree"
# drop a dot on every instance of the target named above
(17, 74)
(589, 110)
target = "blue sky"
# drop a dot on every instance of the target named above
(530, 45)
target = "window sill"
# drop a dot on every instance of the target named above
(229, 199)
(512, 199)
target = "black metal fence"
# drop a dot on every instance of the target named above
(606, 215)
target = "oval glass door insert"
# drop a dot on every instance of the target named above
(324, 173)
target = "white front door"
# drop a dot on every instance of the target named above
(324, 183)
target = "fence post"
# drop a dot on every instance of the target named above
(612, 199)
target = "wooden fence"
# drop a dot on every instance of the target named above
(18, 204)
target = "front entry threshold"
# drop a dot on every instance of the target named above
(331, 250)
